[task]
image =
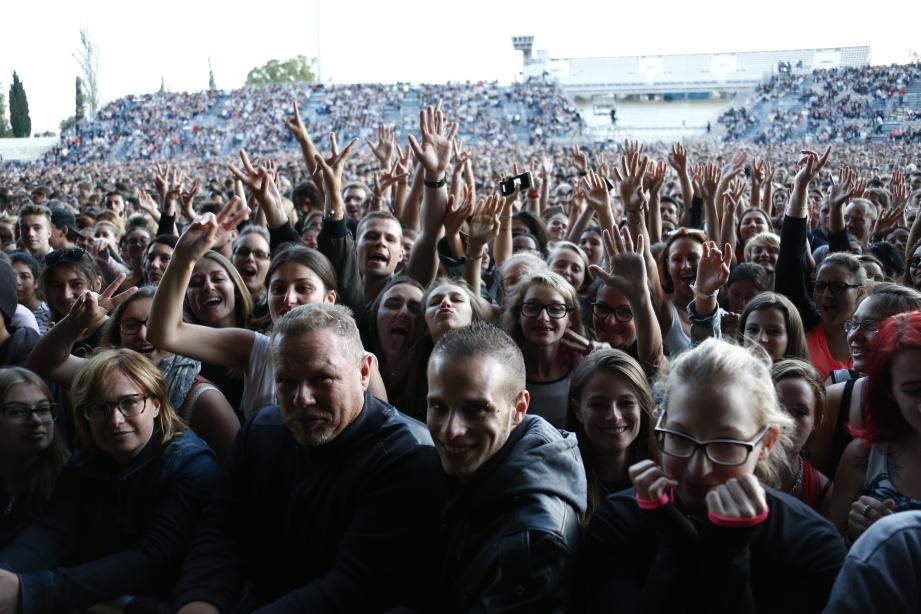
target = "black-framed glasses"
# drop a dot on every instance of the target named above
(19, 413)
(129, 405)
(726, 452)
(867, 326)
(70, 254)
(835, 287)
(556, 311)
(131, 326)
(605, 311)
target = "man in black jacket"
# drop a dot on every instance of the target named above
(509, 531)
(330, 501)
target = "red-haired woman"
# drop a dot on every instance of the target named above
(880, 473)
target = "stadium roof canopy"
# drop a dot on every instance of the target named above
(699, 71)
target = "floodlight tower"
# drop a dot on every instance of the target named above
(524, 44)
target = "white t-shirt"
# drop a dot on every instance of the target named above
(259, 382)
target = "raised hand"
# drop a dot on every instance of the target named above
(843, 188)
(204, 233)
(655, 177)
(579, 159)
(678, 158)
(595, 191)
(811, 165)
(625, 266)
(434, 153)
(632, 147)
(186, 199)
(898, 189)
(630, 175)
(161, 181)
(329, 172)
(709, 180)
(484, 225)
(261, 183)
(296, 126)
(734, 166)
(741, 497)
(887, 220)
(147, 203)
(383, 151)
(90, 308)
(456, 215)
(713, 268)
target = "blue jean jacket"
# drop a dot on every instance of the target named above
(112, 530)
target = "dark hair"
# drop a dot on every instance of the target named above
(536, 227)
(111, 330)
(373, 338)
(882, 419)
(749, 271)
(74, 258)
(793, 323)
(308, 257)
(681, 233)
(19, 257)
(482, 340)
(892, 262)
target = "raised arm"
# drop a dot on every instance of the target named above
(226, 347)
(655, 178)
(625, 271)
(678, 160)
(484, 226)
(434, 154)
(300, 134)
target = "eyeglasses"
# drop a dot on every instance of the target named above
(137, 241)
(556, 311)
(71, 254)
(835, 287)
(914, 262)
(605, 311)
(18, 413)
(726, 452)
(130, 406)
(258, 254)
(867, 326)
(131, 326)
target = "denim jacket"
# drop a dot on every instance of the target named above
(112, 530)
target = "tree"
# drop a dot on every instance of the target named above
(211, 85)
(87, 58)
(4, 125)
(295, 70)
(162, 85)
(19, 109)
(68, 125)
(80, 101)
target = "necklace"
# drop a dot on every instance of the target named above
(798, 478)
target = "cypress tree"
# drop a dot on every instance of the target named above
(19, 109)
(80, 111)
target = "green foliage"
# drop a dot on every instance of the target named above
(67, 125)
(295, 70)
(87, 58)
(80, 101)
(19, 109)
(211, 85)
(45, 133)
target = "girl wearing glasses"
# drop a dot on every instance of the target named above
(30, 455)
(542, 309)
(880, 472)
(125, 506)
(700, 532)
(847, 398)
(198, 402)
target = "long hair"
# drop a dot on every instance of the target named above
(42, 469)
(91, 379)
(243, 300)
(882, 419)
(511, 321)
(111, 330)
(794, 368)
(613, 362)
(681, 233)
(793, 323)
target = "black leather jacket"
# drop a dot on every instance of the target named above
(347, 526)
(509, 534)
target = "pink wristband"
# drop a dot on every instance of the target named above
(738, 523)
(646, 504)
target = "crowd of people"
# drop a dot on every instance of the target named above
(442, 375)
(840, 105)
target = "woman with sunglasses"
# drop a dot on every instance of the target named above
(31, 453)
(542, 309)
(704, 531)
(125, 507)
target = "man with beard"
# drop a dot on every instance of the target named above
(330, 500)
(512, 523)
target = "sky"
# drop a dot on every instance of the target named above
(402, 40)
